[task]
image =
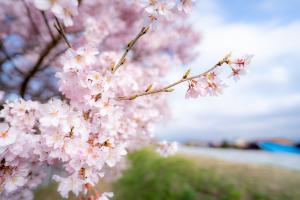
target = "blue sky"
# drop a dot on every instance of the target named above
(259, 11)
(266, 102)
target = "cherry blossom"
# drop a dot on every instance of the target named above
(186, 5)
(213, 85)
(17, 179)
(196, 88)
(77, 59)
(68, 184)
(7, 135)
(54, 6)
(165, 148)
(106, 196)
(240, 66)
(68, 11)
(110, 91)
(209, 84)
(164, 9)
(158, 8)
(54, 112)
(62, 9)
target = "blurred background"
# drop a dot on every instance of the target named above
(244, 144)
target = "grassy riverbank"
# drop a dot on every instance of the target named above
(183, 177)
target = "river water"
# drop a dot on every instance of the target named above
(283, 160)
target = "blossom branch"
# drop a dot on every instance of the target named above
(129, 46)
(169, 88)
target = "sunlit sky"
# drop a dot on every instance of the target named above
(263, 104)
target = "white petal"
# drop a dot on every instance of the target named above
(42, 4)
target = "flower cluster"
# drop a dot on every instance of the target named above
(157, 9)
(21, 169)
(239, 66)
(62, 9)
(208, 84)
(165, 148)
(211, 84)
(186, 5)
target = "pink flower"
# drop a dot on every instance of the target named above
(165, 9)
(7, 135)
(165, 148)
(21, 114)
(158, 8)
(213, 84)
(186, 5)
(69, 184)
(67, 12)
(240, 66)
(209, 84)
(106, 196)
(79, 59)
(196, 88)
(53, 112)
(17, 178)
(215, 87)
(114, 155)
(237, 72)
(148, 3)
(53, 5)
(62, 9)
(244, 61)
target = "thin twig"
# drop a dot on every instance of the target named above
(169, 88)
(60, 29)
(11, 60)
(47, 24)
(54, 57)
(129, 46)
(34, 26)
(45, 52)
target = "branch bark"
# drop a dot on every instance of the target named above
(34, 26)
(45, 52)
(169, 88)
(8, 57)
(47, 24)
(130, 45)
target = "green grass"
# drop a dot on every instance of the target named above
(185, 177)
(191, 178)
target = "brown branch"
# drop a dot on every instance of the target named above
(54, 57)
(129, 46)
(8, 57)
(34, 26)
(47, 24)
(12, 56)
(60, 29)
(169, 88)
(45, 52)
